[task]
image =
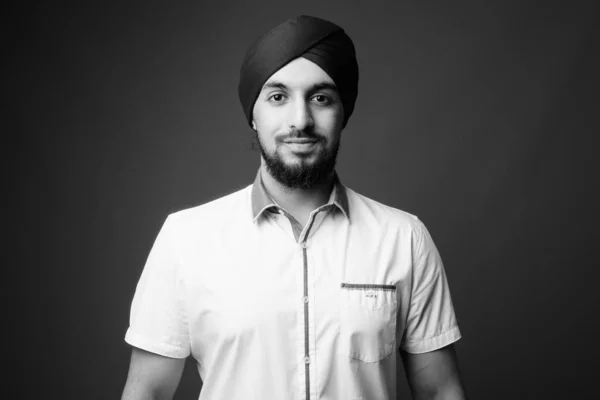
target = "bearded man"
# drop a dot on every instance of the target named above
(295, 287)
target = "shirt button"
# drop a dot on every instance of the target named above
(305, 299)
(307, 360)
(303, 244)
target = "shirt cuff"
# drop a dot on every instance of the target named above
(433, 343)
(163, 349)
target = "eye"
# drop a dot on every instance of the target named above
(277, 97)
(322, 99)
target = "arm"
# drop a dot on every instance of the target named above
(152, 376)
(434, 375)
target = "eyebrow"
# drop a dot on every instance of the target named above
(313, 88)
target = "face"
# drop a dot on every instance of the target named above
(298, 117)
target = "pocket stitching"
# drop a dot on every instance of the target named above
(361, 286)
(389, 325)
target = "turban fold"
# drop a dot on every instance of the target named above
(315, 39)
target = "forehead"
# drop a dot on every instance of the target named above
(300, 73)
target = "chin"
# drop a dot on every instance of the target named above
(296, 161)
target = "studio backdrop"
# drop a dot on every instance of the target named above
(479, 117)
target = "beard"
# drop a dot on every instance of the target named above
(303, 174)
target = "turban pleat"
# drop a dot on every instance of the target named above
(315, 39)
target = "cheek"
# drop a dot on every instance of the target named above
(265, 119)
(257, 114)
(330, 120)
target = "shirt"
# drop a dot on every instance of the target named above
(273, 310)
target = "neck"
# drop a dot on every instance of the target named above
(299, 202)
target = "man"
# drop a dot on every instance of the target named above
(295, 287)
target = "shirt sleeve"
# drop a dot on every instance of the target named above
(158, 321)
(431, 322)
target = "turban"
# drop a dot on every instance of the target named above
(320, 41)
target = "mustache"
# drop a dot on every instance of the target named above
(296, 134)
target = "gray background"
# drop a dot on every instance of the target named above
(479, 117)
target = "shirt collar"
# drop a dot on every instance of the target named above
(261, 201)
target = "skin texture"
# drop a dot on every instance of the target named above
(434, 375)
(151, 376)
(299, 117)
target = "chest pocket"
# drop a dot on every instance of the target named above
(367, 321)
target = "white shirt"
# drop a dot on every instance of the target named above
(273, 310)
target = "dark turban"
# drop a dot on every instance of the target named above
(315, 39)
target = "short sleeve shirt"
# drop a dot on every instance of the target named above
(271, 309)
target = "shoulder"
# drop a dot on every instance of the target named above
(370, 211)
(212, 213)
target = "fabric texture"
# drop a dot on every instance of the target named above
(271, 309)
(318, 40)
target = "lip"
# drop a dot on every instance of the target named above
(300, 141)
(300, 146)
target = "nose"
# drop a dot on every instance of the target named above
(300, 116)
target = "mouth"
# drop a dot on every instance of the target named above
(300, 146)
(300, 141)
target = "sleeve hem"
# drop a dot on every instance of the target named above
(433, 343)
(163, 349)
